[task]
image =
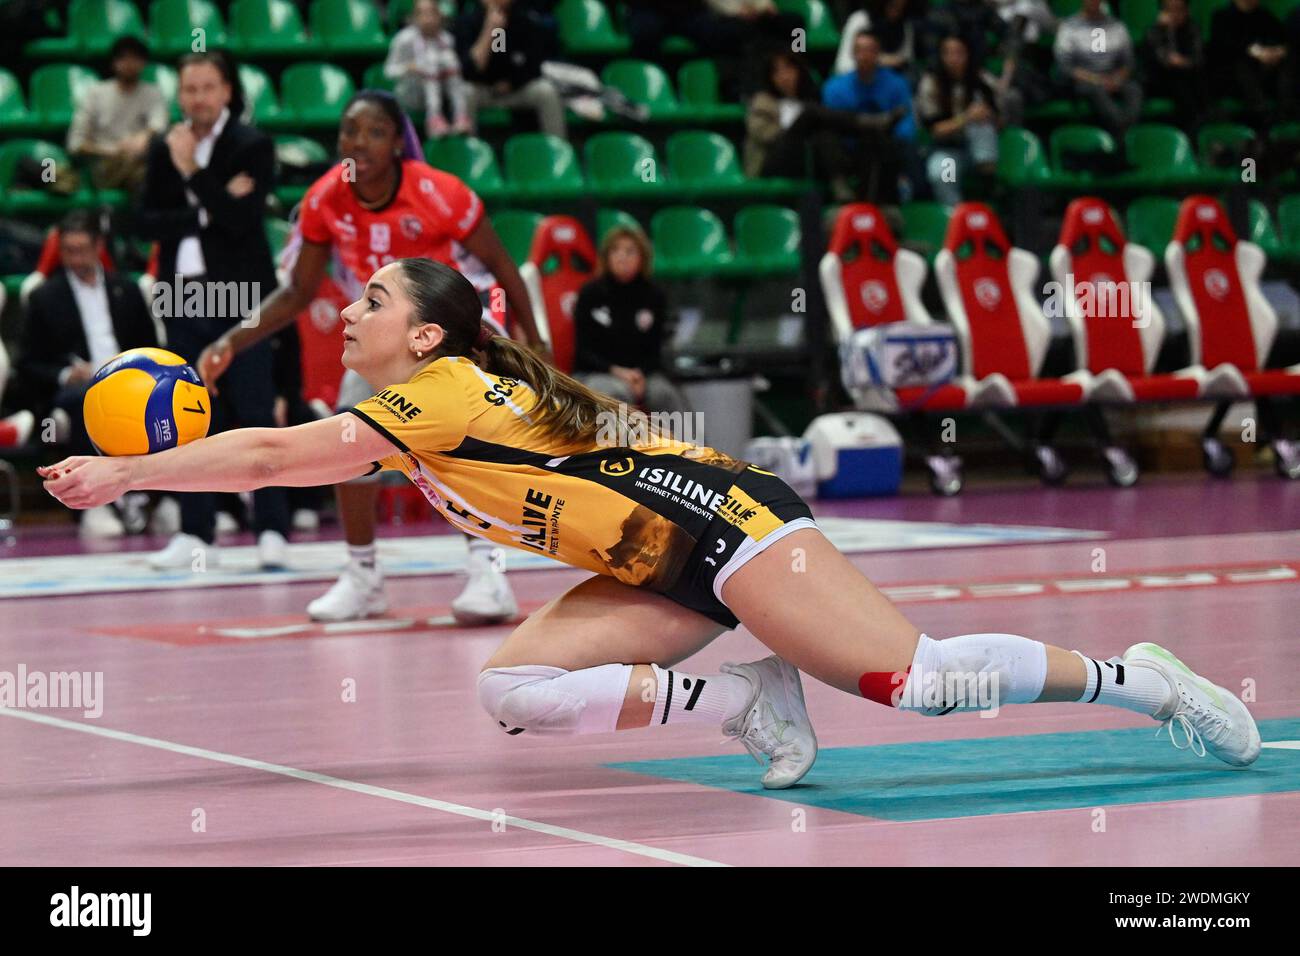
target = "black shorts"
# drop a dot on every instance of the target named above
(732, 540)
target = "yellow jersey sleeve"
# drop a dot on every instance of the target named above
(428, 414)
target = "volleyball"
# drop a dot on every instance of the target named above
(145, 400)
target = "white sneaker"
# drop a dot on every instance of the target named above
(166, 517)
(358, 593)
(1212, 718)
(487, 598)
(776, 721)
(304, 519)
(101, 522)
(185, 551)
(226, 523)
(272, 551)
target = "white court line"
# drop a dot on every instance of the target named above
(626, 846)
(1283, 744)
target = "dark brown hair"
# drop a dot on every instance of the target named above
(636, 237)
(567, 409)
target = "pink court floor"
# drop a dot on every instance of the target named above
(233, 733)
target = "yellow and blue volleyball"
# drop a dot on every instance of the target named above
(145, 400)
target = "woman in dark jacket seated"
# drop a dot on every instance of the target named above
(620, 323)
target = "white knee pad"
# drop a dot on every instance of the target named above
(551, 700)
(974, 672)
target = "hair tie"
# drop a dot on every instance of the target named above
(485, 334)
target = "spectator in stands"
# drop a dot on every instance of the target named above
(957, 107)
(76, 321)
(620, 327)
(1175, 61)
(975, 21)
(116, 118)
(894, 24)
(650, 22)
(204, 201)
(1291, 67)
(422, 62)
(1248, 56)
(502, 48)
(785, 122)
(885, 146)
(1099, 66)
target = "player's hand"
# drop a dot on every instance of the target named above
(241, 185)
(214, 361)
(84, 482)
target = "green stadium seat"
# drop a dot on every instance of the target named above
(172, 24)
(374, 79)
(767, 240)
(623, 166)
(1163, 158)
(1232, 136)
(1021, 161)
(1260, 229)
(702, 163)
(587, 30)
(924, 226)
(277, 234)
(470, 158)
(54, 91)
(689, 242)
(1290, 133)
(1077, 138)
(607, 219)
(516, 228)
(644, 83)
(539, 166)
(164, 77)
(14, 117)
(1138, 16)
(269, 28)
(93, 25)
(823, 35)
(15, 201)
(348, 27)
(314, 94)
(1288, 224)
(697, 84)
(1150, 221)
(296, 151)
(261, 94)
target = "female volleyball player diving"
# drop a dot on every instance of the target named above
(685, 542)
(379, 203)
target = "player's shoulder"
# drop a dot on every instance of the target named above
(328, 189)
(417, 173)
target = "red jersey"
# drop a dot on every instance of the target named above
(431, 210)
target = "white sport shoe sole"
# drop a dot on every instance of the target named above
(485, 602)
(1197, 705)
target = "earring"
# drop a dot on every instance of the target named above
(419, 355)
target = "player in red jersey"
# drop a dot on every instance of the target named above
(379, 204)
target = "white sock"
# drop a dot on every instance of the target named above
(689, 698)
(481, 552)
(1111, 682)
(363, 556)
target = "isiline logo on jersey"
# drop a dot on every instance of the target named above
(617, 467)
(395, 402)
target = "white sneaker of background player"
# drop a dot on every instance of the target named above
(101, 522)
(226, 523)
(776, 723)
(166, 517)
(357, 594)
(185, 552)
(1210, 719)
(487, 598)
(272, 551)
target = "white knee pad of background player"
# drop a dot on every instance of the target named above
(551, 700)
(974, 672)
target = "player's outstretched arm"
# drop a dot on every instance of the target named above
(318, 453)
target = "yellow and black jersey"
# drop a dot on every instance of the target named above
(469, 442)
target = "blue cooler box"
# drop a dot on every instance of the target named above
(855, 454)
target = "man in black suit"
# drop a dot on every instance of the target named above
(204, 201)
(76, 321)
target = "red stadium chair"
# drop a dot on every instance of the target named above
(561, 260)
(1117, 327)
(1215, 280)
